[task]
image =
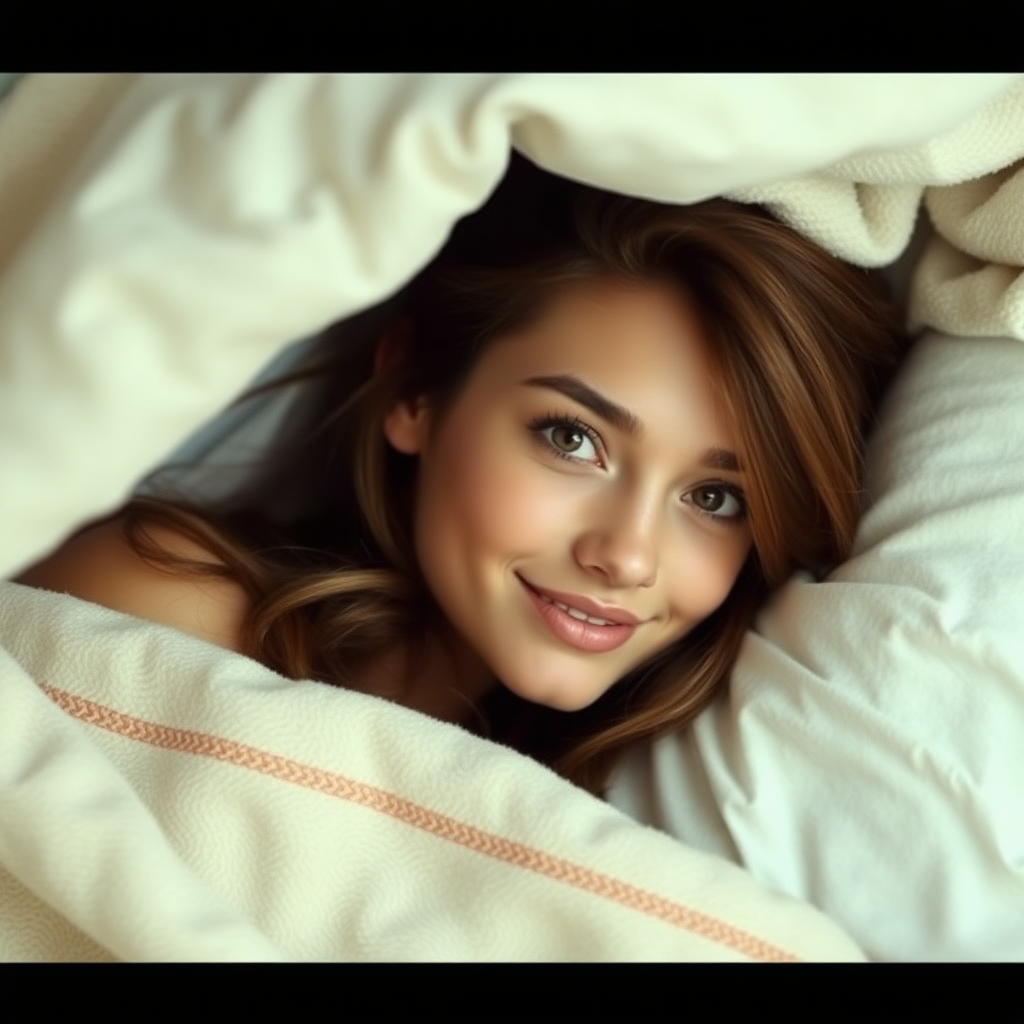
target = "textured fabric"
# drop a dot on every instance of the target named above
(164, 799)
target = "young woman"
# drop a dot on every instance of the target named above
(553, 494)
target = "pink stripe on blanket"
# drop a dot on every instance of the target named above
(518, 854)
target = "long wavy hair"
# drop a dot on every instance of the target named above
(801, 344)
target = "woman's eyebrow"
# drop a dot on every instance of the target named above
(721, 458)
(572, 387)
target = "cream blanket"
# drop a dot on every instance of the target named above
(165, 799)
(162, 237)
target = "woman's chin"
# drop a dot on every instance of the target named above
(558, 695)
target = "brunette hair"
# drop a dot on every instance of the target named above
(801, 344)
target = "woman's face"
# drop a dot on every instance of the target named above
(579, 503)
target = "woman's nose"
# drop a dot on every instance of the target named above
(620, 545)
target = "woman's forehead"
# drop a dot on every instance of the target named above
(640, 347)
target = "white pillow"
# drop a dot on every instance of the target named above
(868, 755)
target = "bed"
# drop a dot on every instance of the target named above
(855, 794)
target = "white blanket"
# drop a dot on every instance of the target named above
(164, 236)
(178, 230)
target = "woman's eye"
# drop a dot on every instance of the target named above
(569, 440)
(718, 501)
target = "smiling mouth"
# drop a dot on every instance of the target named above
(576, 627)
(583, 608)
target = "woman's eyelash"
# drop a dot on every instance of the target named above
(540, 425)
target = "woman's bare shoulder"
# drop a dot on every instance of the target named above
(99, 565)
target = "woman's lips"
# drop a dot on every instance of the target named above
(617, 616)
(580, 633)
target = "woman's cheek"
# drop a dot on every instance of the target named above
(706, 569)
(502, 491)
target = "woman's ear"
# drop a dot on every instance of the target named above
(407, 425)
(407, 421)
